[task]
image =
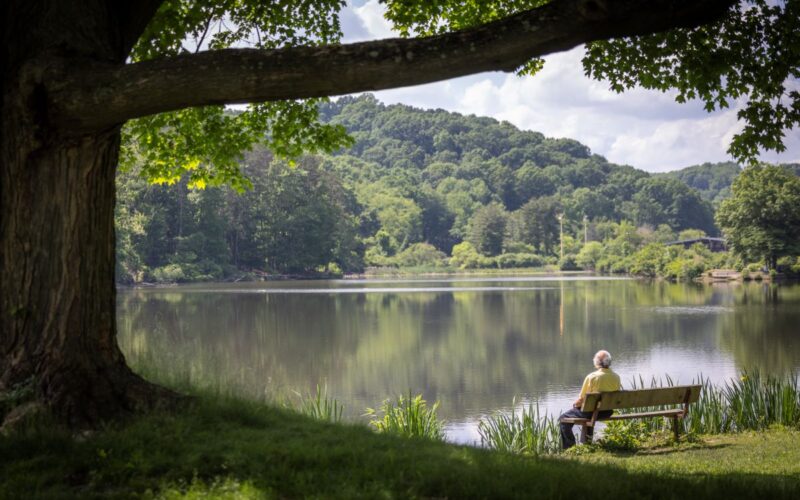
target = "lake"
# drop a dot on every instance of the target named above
(475, 344)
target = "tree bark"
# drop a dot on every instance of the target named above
(57, 244)
(57, 293)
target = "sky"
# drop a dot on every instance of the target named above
(643, 128)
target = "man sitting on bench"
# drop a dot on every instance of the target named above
(602, 380)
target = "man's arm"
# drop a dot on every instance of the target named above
(584, 389)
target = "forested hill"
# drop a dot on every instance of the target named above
(416, 183)
(713, 180)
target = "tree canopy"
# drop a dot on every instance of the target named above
(748, 55)
(761, 220)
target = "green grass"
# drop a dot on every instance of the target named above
(771, 455)
(224, 448)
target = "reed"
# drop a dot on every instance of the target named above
(526, 432)
(751, 402)
(407, 416)
(321, 406)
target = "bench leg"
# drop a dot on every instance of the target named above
(675, 428)
(585, 437)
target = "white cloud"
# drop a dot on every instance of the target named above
(371, 15)
(646, 129)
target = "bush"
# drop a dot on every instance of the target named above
(683, 268)
(649, 260)
(568, 263)
(170, 273)
(590, 255)
(420, 254)
(465, 256)
(518, 247)
(510, 260)
(624, 435)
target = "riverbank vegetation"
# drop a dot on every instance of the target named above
(227, 448)
(751, 403)
(428, 190)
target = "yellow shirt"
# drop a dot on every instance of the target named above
(603, 380)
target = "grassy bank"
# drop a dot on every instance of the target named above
(234, 449)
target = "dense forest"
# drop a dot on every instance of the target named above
(418, 188)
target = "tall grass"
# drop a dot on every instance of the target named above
(524, 432)
(321, 406)
(751, 402)
(756, 402)
(407, 416)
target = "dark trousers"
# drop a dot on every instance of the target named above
(568, 437)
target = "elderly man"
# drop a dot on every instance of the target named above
(602, 380)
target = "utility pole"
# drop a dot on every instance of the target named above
(561, 235)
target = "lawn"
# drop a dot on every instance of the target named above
(232, 449)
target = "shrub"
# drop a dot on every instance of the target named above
(420, 254)
(568, 263)
(590, 255)
(169, 274)
(465, 256)
(518, 247)
(624, 435)
(509, 260)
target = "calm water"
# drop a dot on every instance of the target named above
(473, 343)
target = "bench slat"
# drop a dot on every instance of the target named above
(626, 416)
(642, 398)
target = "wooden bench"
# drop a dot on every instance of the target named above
(596, 402)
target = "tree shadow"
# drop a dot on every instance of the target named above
(217, 446)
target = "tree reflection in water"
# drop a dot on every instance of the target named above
(474, 345)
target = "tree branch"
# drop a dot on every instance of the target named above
(92, 98)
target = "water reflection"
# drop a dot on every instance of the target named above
(473, 344)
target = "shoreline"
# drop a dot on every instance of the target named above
(708, 277)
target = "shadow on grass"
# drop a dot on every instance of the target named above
(223, 447)
(671, 450)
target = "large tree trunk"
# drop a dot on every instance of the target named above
(57, 290)
(57, 193)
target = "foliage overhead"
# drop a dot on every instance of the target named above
(751, 55)
(207, 143)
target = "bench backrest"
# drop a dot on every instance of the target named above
(682, 394)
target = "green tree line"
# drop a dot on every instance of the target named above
(417, 188)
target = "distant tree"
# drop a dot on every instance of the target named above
(532, 182)
(663, 200)
(538, 224)
(487, 229)
(589, 255)
(437, 219)
(761, 220)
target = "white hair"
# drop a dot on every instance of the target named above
(602, 359)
